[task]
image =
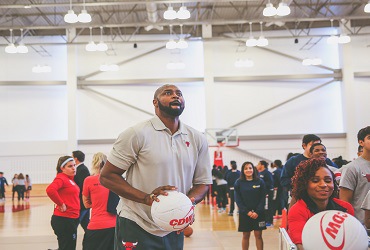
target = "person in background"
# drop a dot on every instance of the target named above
(355, 182)
(277, 203)
(266, 176)
(21, 187)
(81, 174)
(28, 186)
(100, 231)
(250, 193)
(159, 155)
(315, 190)
(318, 150)
(15, 183)
(221, 197)
(231, 178)
(64, 192)
(3, 181)
(289, 168)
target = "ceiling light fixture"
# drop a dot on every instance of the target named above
(344, 38)
(182, 44)
(170, 14)
(246, 63)
(269, 10)
(183, 13)
(70, 17)
(262, 41)
(171, 44)
(367, 7)
(312, 62)
(251, 41)
(341, 39)
(175, 65)
(84, 17)
(41, 69)
(11, 49)
(21, 48)
(283, 9)
(101, 46)
(109, 67)
(91, 46)
(333, 39)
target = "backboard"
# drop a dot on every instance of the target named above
(222, 137)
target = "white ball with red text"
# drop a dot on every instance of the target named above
(333, 229)
(173, 212)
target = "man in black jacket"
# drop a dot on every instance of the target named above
(81, 173)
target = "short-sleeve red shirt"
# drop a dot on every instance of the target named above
(299, 214)
(100, 218)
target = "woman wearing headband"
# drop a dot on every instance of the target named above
(64, 192)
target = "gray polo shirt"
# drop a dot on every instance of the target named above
(354, 178)
(153, 157)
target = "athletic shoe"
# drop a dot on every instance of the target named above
(230, 214)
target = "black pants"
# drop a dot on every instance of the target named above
(20, 190)
(99, 239)
(2, 192)
(222, 196)
(130, 235)
(232, 200)
(66, 231)
(268, 211)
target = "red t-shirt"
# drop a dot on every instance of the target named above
(64, 190)
(299, 214)
(98, 195)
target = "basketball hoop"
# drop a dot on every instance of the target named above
(220, 144)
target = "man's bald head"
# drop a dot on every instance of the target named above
(160, 89)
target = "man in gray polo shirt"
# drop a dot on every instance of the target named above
(355, 182)
(157, 155)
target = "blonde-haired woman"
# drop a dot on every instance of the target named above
(100, 231)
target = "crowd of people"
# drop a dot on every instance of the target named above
(306, 184)
(22, 185)
(148, 160)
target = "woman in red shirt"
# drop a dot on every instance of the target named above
(100, 231)
(315, 190)
(64, 192)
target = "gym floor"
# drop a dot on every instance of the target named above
(26, 225)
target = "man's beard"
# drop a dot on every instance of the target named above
(170, 111)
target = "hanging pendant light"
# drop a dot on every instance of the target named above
(84, 17)
(283, 9)
(183, 13)
(367, 7)
(262, 41)
(11, 49)
(269, 10)
(170, 14)
(70, 17)
(91, 46)
(21, 48)
(171, 44)
(101, 46)
(182, 44)
(251, 41)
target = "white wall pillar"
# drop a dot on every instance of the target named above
(350, 117)
(209, 76)
(71, 92)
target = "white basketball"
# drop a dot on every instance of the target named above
(334, 229)
(173, 212)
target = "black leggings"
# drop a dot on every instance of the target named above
(66, 231)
